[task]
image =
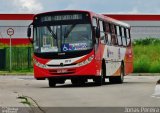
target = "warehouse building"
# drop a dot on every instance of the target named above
(142, 26)
(19, 23)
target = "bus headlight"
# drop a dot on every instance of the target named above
(39, 64)
(87, 61)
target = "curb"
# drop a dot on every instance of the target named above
(145, 74)
(16, 74)
(31, 74)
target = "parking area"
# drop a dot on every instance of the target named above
(135, 91)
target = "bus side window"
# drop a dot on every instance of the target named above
(113, 36)
(94, 22)
(95, 25)
(128, 37)
(108, 28)
(108, 33)
(109, 39)
(119, 35)
(123, 31)
(37, 41)
(102, 34)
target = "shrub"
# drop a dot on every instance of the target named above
(147, 55)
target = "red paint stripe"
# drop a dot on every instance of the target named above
(134, 17)
(15, 41)
(129, 17)
(16, 16)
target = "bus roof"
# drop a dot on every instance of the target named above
(63, 11)
(93, 14)
(113, 20)
(117, 22)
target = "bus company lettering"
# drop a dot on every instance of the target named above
(109, 52)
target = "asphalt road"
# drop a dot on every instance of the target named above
(135, 91)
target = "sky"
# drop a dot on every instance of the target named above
(98, 6)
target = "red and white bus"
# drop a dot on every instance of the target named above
(80, 45)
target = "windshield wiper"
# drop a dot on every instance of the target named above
(69, 31)
(52, 33)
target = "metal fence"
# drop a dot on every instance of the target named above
(21, 58)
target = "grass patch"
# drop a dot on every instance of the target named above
(146, 55)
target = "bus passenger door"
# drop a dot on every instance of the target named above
(97, 45)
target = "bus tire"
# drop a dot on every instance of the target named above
(103, 72)
(118, 79)
(122, 74)
(78, 82)
(100, 80)
(74, 81)
(51, 82)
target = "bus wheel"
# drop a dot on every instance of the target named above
(103, 72)
(118, 79)
(78, 81)
(74, 81)
(52, 82)
(122, 74)
(98, 81)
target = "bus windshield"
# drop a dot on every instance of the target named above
(62, 38)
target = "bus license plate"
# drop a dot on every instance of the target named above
(62, 71)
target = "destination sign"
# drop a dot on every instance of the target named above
(61, 17)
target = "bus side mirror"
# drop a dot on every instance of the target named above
(29, 32)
